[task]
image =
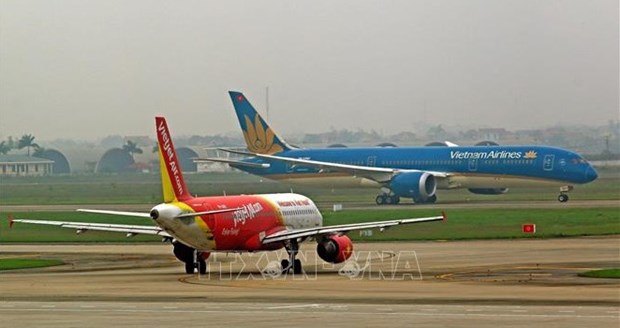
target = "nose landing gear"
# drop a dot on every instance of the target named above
(563, 197)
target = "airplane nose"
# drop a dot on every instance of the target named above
(591, 174)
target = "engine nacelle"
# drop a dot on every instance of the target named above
(416, 185)
(488, 191)
(335, 248)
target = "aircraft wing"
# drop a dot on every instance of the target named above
(233, 162)
(379, 174)
(130, 230)
(85, 226)
(344, 228)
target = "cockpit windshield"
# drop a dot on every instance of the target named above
(578, 160)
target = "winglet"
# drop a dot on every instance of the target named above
(11, 219)
(259, 136)
(445, 216)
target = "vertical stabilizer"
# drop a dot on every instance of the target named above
(259, 137)
(172, 181)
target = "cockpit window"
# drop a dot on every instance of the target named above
(578, 160)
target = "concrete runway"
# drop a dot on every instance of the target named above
(466, 283)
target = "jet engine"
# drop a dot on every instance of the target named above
(335, 248)
(488, 191)
(418, 185)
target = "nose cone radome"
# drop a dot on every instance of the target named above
(591, 174)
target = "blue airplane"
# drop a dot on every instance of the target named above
(405, 172)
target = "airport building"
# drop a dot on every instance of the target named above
(22, 165)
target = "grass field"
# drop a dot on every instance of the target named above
(461, 224)
(606, 273)
(12, 264)
(146, 189)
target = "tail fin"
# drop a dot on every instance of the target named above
(259, 137)
(172, 181)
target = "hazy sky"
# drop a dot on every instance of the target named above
(88, 69)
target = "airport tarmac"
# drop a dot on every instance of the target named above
(489, 283)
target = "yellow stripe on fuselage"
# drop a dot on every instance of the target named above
(166, 184)
(200, 229)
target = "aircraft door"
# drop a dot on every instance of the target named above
(548, 162)
(372, 161)
(473, 165)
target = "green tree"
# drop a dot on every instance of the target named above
(132, 148)
(38, 151)
(27, 141)
(10, 142)
(4, 148)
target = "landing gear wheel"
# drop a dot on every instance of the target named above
(432, 199)
(189, 267)
(292, 248)
(389, 200)
(202, 267)
(380, 200)
(395, 199)
(563, 198)
(297, 267)
(286, 265)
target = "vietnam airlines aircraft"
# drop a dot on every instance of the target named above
(198, 226)
(409, 172)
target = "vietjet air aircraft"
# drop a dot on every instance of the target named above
(198, 226)
(409, 172)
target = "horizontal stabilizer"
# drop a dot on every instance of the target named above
(85, 226)
(136, 214)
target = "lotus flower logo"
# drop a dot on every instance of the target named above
(258, 139)
(531, 154)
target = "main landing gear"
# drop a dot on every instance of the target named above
(563, 197)
(193, 259)
(387, 199)
(292, 248)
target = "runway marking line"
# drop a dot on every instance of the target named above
(245, 311)
(294, 306)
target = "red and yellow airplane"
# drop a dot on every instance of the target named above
(198, 226)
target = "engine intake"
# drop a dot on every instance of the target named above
(335, 249)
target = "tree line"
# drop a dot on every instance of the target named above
(27, 141)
